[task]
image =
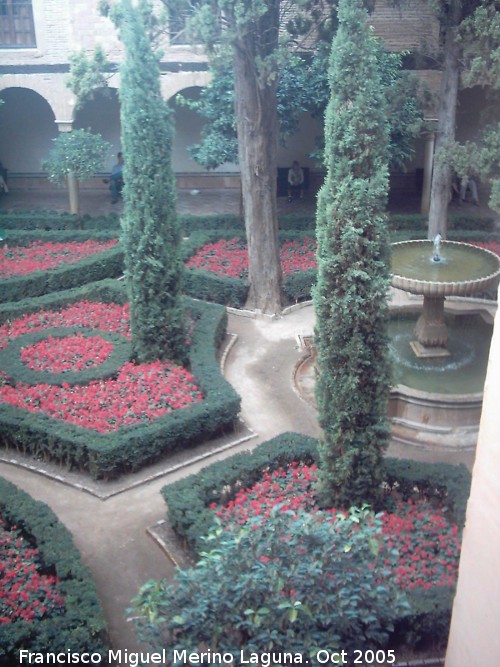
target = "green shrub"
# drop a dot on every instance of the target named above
(45, 221)
(289, 584)
(222, 222)
(82, 627)
(209, 286)
(298, 286)
(456, 221)
(461, 221)
(25, 237)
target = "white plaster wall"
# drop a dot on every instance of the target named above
(474, 639)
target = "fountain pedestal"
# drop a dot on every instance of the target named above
(431, 330)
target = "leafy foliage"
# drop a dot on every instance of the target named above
(353, 274)
(80, 152)
(479, 38)
(151, 233)
(87, 74)
(303, 88)
(296, 582)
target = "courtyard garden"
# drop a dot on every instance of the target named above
(111, 334)
(71, 395)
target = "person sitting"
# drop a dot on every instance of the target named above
(3, 179)
(295, 181)
(469, 184)
(116, 179)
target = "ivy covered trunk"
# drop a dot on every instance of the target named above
(257, 128)
(151, 233)
(353, 272)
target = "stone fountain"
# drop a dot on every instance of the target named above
(440, 365)
(437, 269)
(442, 412)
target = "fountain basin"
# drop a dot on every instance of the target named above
(438, 401)
(437, 270)
(427, 412)
(464, 270)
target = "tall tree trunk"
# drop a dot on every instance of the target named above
(441, 176)
(257, 127)
(74, 193)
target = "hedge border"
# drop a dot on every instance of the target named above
(44, 221)
(104, 264)
(12, 364)
(296, 286)
(188, 512)
(109, 455)
(82, 627)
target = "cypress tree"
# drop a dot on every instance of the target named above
(353, 271)
(150, 229)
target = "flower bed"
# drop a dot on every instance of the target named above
(72, 354)
(492, 246)
(427, 543)
(65, 270)
(140, 393)
(106, 415)
(39, 256)
(191, 514)
(25, 591)
(48, 600)
(229, 258)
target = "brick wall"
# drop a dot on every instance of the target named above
(407, 28)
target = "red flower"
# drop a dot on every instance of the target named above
(427, 543)
(40, 256)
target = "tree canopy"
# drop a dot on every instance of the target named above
(303, 88)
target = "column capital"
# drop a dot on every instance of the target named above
(64, 125)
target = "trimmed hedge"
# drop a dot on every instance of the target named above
(209, 286)
(456, 221)
(105, 264)
(45, 221)
(188, 501)
(109, 455)
(108, 290)
(82, 628)
(12, 364)
(24, 237)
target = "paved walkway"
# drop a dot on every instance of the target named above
(111, 534)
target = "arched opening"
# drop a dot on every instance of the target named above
(101, 115)
(27, 129)
(188, 125)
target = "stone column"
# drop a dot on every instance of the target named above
(474, 635)
(428, 164)
(71, 179)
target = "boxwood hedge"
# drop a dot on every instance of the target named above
(188, 501)
(109, 455)
(82, 627)
(105, 264)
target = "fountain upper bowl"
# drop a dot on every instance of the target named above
(463, 269)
